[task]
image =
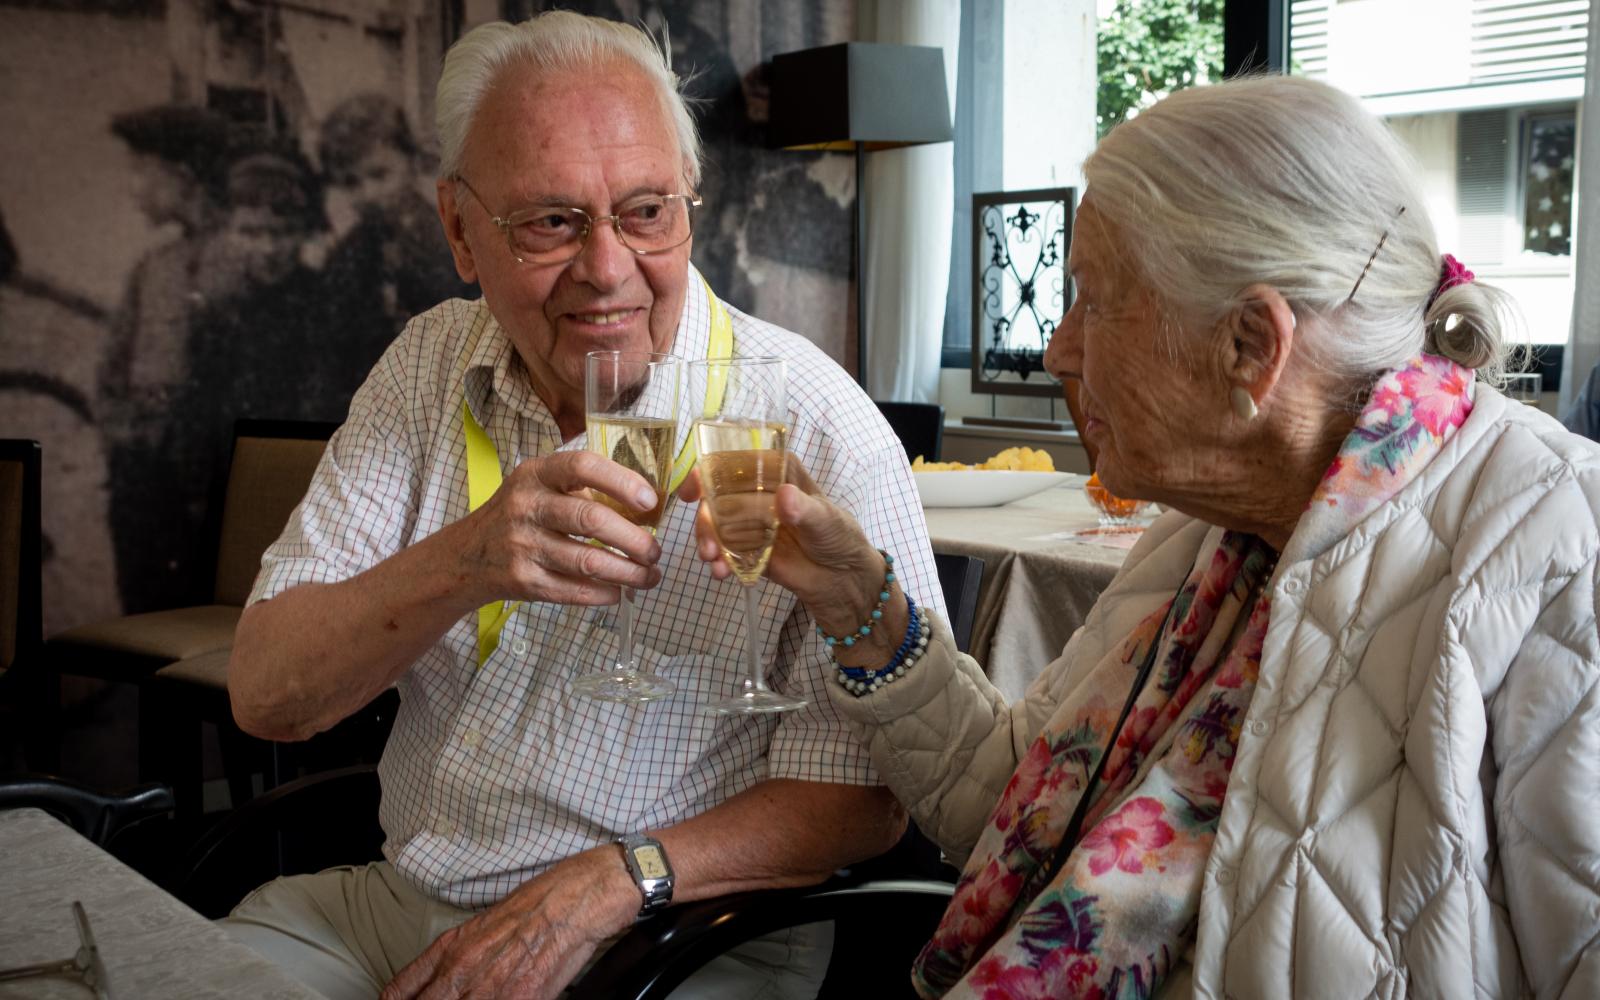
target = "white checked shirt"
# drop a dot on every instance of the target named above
(492, 775)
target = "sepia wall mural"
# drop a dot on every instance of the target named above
(215, 209)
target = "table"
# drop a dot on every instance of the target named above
(1038, 583)
(151, 944)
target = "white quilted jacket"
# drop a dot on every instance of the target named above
(1414, 809)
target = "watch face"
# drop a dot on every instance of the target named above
(651, 864)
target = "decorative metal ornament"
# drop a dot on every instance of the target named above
(1020, 289)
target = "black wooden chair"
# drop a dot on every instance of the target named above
(302, 826)
(919, 426)
(878, 929)
(26, 718)
(97, 816)
(959, 579)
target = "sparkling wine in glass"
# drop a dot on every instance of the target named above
(743, 440)
(631, 403)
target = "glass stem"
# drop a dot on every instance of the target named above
(752, 615)
(625, 661)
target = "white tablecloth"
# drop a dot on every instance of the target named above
(1039, 582)
(151, 944)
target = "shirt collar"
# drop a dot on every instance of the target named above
(494, 370)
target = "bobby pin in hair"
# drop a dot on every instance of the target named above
(1381, 241)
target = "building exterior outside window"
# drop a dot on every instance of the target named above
(1487, 94)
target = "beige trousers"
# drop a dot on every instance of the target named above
(347, 931)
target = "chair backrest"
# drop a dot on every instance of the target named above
(97, 817)
(271, 468)
(21, 605)
(959, 577)
(919, 426)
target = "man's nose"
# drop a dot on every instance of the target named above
(603, 262)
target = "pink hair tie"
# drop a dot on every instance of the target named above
(1451, 273)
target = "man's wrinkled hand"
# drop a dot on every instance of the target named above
(525, 542)
(531, 944)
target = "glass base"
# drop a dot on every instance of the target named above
(629, 687)
(756, 701)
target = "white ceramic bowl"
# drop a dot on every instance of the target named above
(982, 487)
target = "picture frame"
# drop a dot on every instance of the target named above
(1020, 287)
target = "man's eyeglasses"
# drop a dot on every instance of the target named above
(555, 234)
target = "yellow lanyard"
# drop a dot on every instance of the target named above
(483, 463)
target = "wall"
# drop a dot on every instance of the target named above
(132, 336)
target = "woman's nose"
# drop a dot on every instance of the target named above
(1063, 355)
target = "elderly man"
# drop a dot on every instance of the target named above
(504, 795)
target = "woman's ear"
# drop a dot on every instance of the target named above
(1259, 334)
(455, 230)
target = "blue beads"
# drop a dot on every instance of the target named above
(876, 613)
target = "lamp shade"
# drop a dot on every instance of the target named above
(859, 95)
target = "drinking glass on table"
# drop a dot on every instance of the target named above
(631, 409)
(743, 438)
(1114, 511)
(1524, 387)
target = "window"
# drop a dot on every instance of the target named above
(1023, 119)
(1489, 107)
(1549, 164)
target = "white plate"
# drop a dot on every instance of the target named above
(982, 487)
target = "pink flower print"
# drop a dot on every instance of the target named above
(1388, 399)
(1027, 785)
(1439, 389)
(1133, 731)
(1062, 973)
(1123, 839)
(979, 904)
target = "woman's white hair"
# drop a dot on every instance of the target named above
(1292, 183)
(556, 40)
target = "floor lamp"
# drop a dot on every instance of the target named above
(859, 97)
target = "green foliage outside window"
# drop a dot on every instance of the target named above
(1149, 48)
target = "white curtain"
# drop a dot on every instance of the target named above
(910, 200)
(1583, 351)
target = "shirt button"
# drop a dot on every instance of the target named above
(1293, 585)
(471, 738)
(1224, 876)
(444, 828)
(520, 647)
(1258, 727)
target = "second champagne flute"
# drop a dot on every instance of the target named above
(631, 404)
(743, 438)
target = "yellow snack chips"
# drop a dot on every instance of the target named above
(1020, 459)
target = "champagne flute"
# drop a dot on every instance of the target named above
(742, 439)
(631, 411)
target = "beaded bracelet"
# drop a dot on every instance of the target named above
(859, 681)
(877, 611)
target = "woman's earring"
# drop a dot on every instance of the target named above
(1244, 407)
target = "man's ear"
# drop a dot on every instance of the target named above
(1258, 336)
(455, 231)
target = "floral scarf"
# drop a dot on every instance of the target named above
(1112, 920)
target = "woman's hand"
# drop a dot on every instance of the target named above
(821, 555)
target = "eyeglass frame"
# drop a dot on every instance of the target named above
(505, 222)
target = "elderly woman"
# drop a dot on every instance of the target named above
(1334, 730)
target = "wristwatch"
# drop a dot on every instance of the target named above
(647, 863)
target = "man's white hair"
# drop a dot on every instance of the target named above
(556, 40)
(1292, 183)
